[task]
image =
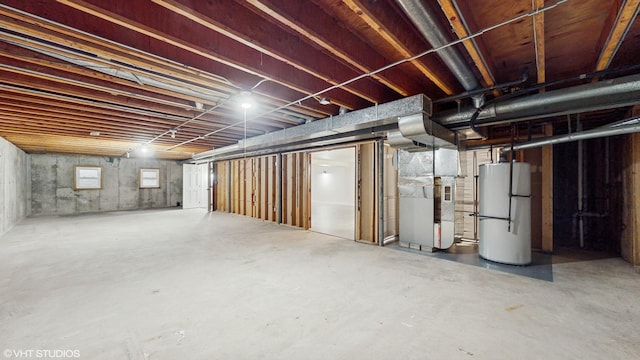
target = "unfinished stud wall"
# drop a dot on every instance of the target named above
(296, 190)
(52, 185)
(467, 187)
(367, 222)
(625, 199)
(253, 187)
(13, 185)
(391, 196)
(534, 158)
(220, 187)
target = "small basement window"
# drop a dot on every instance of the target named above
(447, 193)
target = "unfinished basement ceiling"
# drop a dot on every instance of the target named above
(135, 71)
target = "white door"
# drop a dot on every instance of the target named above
(194, 186)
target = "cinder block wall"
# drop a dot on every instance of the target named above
(52, 185)
(13, 185)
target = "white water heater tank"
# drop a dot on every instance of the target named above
(500, 240)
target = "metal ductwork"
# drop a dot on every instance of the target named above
(606, 94)
(379, 118)
(420, 129)
(627, 127)
(428, 26)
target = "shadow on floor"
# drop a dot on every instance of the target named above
(467, 253)
(570, 255)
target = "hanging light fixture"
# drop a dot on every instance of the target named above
(245, 99)
(324, 101)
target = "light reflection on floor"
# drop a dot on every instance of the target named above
(333, 219)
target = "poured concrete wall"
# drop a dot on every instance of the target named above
(13, 185)
(52, 185)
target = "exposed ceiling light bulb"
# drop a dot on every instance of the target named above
(128, 154)
(173, 133)
(324, 101)
(245, 99)
(144, 149)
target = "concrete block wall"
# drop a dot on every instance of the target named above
(13, 185)
(52, 185)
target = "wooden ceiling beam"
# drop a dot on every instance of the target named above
(84, 106)
(318, 27)
(538, 35)
(455, 19)
(50, 129)
(193, 129)
(39, 143)
(32, 127)
(46, 30)
(95, 85)
(97, 123)
(130, 115)
(43, 81)
(235, 22)
(144, 64)
(12, 76)
(41, 60)
(55, 126)
(382, 27)
(228, 51)
(626, 15)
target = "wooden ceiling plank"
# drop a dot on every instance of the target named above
(78, 40)
(145, 128)
(116, 119)
(107, 50)
(114, 125)
(273, 41)
(455, 19)
(538, 34)
(62, 128)
(38, 143)
(28, 56)
(52, 85)
(137, 142)
(381, 28)
(89, 118)
(318, 27)
(208, 93)
(55, 126)
(286, 75)
(87, 83)
(626, 15)
(104, 109)
(97, 107)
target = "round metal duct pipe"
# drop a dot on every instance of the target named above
(607, 94)
(430, 29)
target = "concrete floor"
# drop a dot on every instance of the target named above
(185, 284)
